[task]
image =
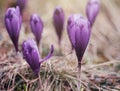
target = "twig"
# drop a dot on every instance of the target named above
(12, 89)
(40, 82)
(103, 64)
(23, 77)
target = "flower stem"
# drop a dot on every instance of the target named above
(79, 77)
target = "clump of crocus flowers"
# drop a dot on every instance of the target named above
(58, 21)
(79, 33)
(36, 27)
(78, 28)
(13, 22)
(32, 56)
(92, 10)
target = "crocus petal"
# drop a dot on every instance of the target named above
(35, 61)
(20, 17)
(36, 57)
(71, 28)
(39, 26)
(15, 25)
(49, 54)
(8, 26)
(18, 10)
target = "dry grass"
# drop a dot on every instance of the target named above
(101, 64)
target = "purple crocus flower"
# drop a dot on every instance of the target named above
(79, 34)
(36, 26)
(21, 4)
(92, 10)
(58, 21)
(82, 36)
(13, 22)
(32, 56)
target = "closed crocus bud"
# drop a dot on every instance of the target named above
(32, 56)
(82, 36)
(58, 21)
(13, 24)
(36, 27)
(21, 4)
(92, 10)
(79, 29)
(71, 29)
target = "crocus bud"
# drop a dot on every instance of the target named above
(32, 56)
(36, 27)
(21, 4)
(13, 24)
(92, 10)
(80, 33)
(58, 21)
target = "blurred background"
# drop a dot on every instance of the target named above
(103, 52)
